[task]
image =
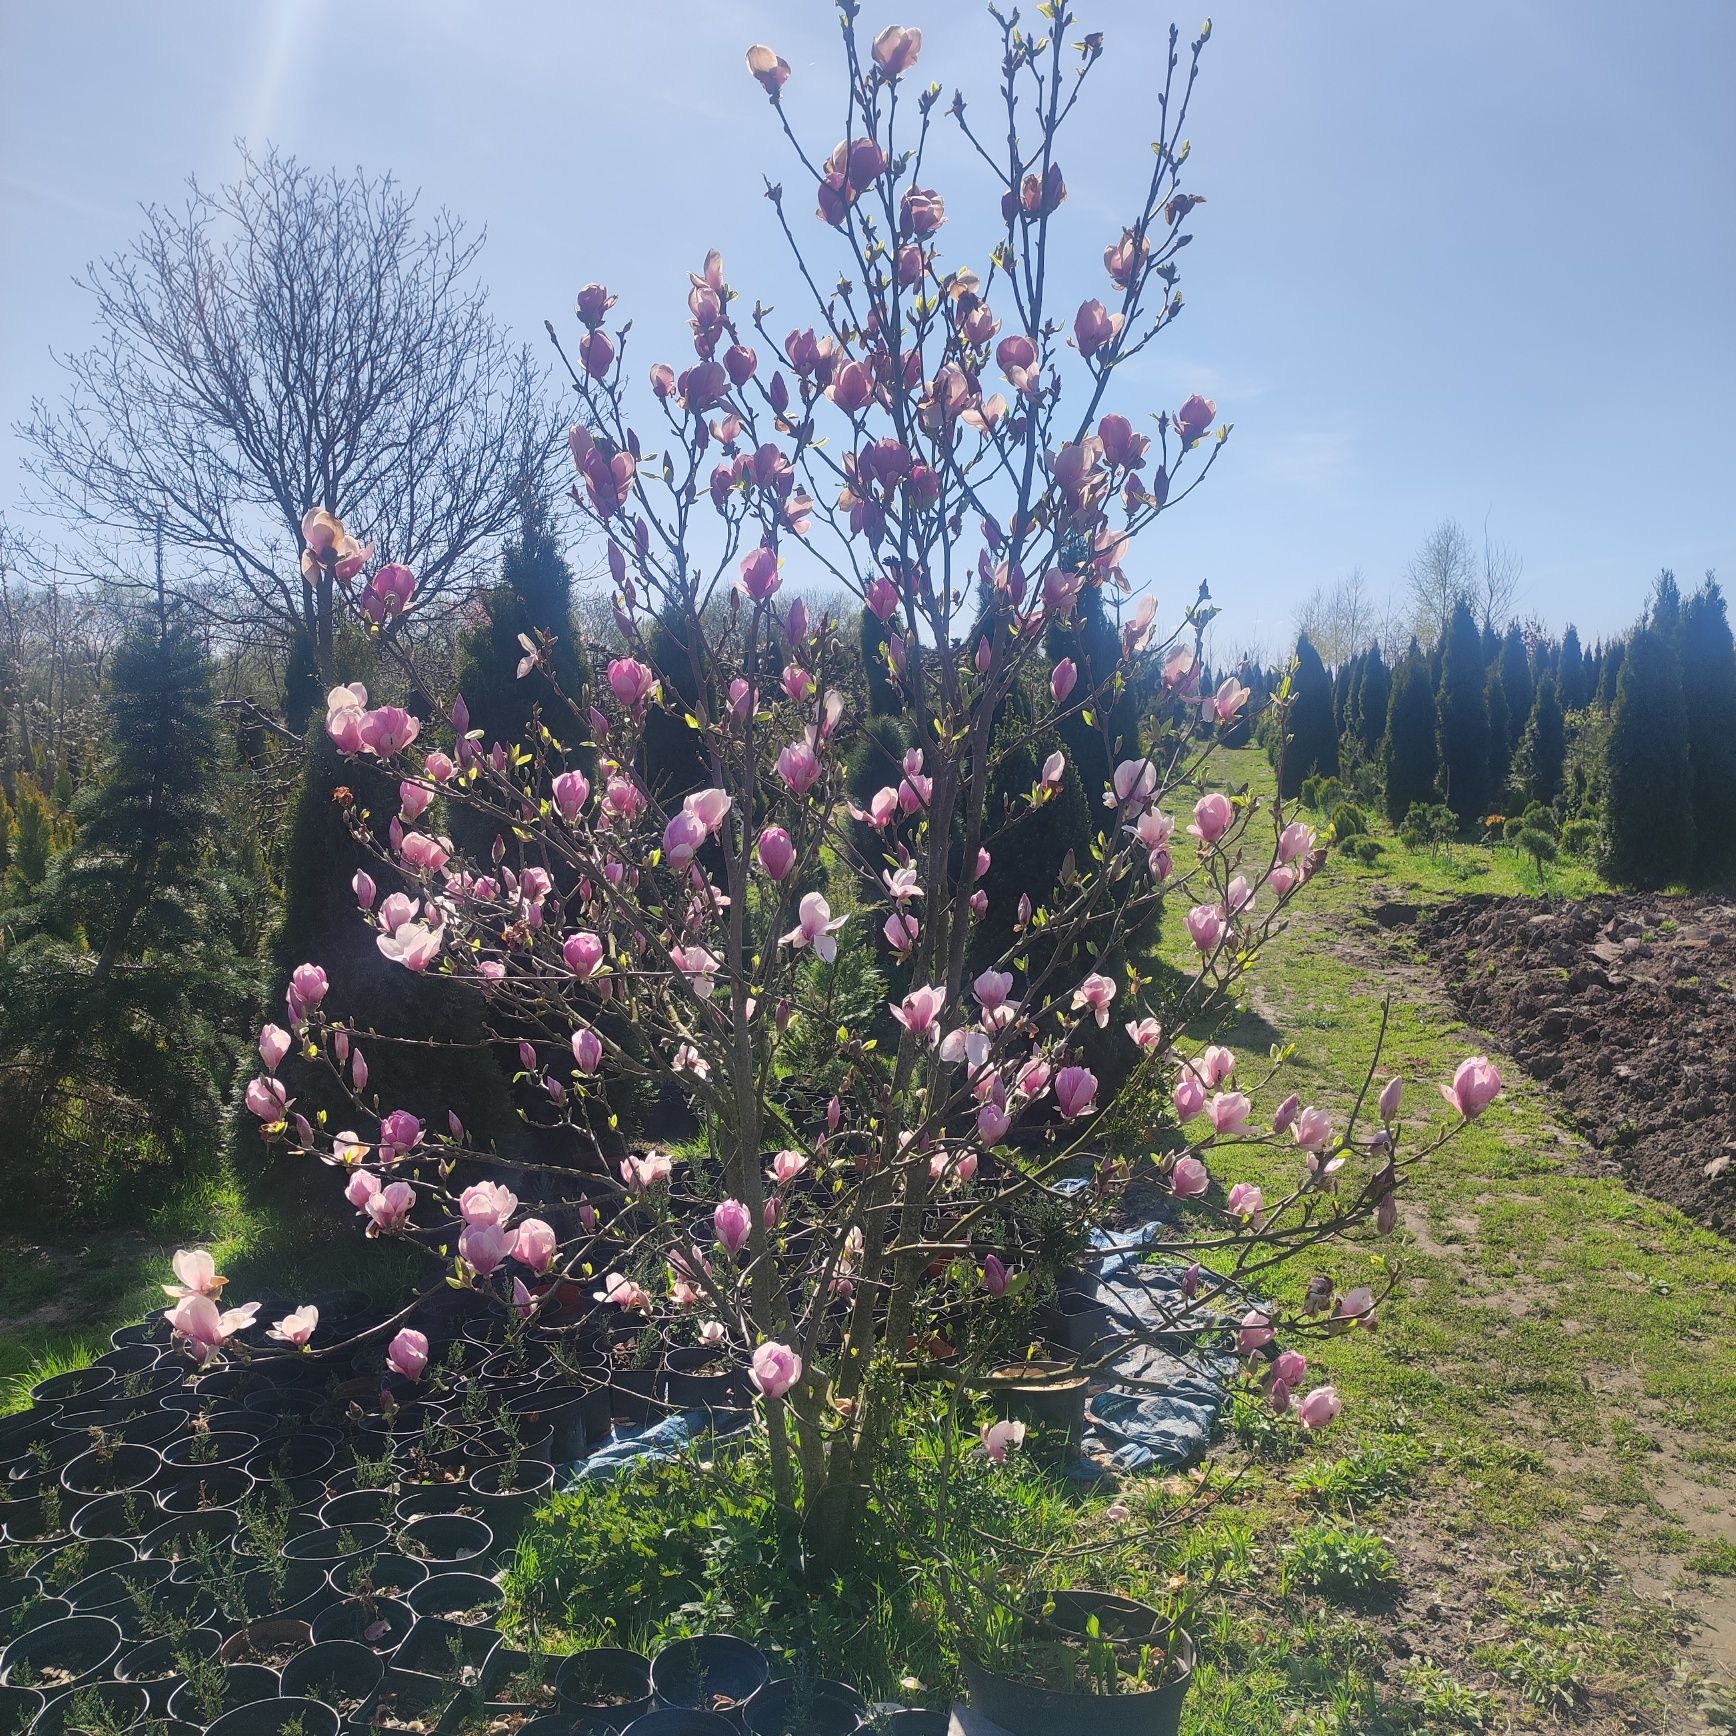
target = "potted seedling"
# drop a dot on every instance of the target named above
(709, 1673)
(604, 1689)
(342, 1674)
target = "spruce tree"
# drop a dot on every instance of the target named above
(1516, 683)
(1649, 817)
(1543, 748)
(1709, 693)
(1500, 755)
(884, 699)
(534, 596)
(121, 992)
(1572, 678)
(1462, 713)
(1372, 701)
(1098, 736)
(1313, 737)
(1610, 678)
(1410, 761)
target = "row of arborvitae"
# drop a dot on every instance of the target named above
(1628, 750)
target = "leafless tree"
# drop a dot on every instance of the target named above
(1442, 574)
(1498, 578)
(1340, 622)
(287, 341)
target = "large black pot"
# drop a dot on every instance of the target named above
(342, 1674)
(81, 1645)
(604, 1689)
(434, 1648)
(792, 1708)
(114, 1593)
(697, 1377)
(273, 1641)
(288, 1590)
(205, 1491)
(155, 1664)
(76, 1383)
(388, 1575)
(446, 1540)
(562, 1410)
(271, 1717)
(451, 1595)
(356, 1619)
(708, 1671)
(31, 1520)
(206, 1450)
(125, 1706)
(35, 1613)
(186, 1535)
(358, 1507)
(326, 1547)
(242, 1685)
(1024, 1708)
(67, 1563)
(681, 1721)
(505, 1510)
(18, 1709)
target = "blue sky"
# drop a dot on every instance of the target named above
(1468, 259)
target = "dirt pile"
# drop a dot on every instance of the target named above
(1627, 1007)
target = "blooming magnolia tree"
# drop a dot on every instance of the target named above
(940, 446)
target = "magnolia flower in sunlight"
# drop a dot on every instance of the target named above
(1476, 1084)
(997, 1438)
(407, 1354)
(775, 1369)
(196, 1321)
(330, 548)
(296, 1327)
(621, 1292)
(198, 1274)
(1319, 1408)
(816, 927)
(640, 1173)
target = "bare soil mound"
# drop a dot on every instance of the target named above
(1627, 1007)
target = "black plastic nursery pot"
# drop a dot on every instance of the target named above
(124, 1706)
(186, 1536)
(470, 1599)
(38, 1612)
(18, 1709)
(1025, 1708)
(208, 1449)
(342, 1674)
(125, 1516)
(242, 1685)
(115, 1593)
(288, 1591)
(795, 1708)
(524, 1681)
(272, 1717)
(912, 1721)
(710, 1673)
(505, 1509)
(562, 1410)
(155, 1664)
(67, 1563)
(271, 1642)
(205, 1491)
(410, 1707)
(60, 1655)
(327, 1546)
(445, 1538)
(681, 1721)
(697, 1377)
(379, 1623)
(34, 1519)
(603, 1689)
(76, 1383)
(358, 1507)
(383, 1575)
(439, 1654)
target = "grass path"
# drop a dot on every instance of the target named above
(1544, 1427)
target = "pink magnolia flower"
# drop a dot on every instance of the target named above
(361, 1187)
(1189, 1178)
(274, 1044)
(407, 1354)
(799, 767)
(759, 573)
(1134, 784)
(631, 682)
(1075, 1091)
(536, 1245)
(816, 927)
(195, 1319)
(400, 1134)
(775, 1368)
(882, 598)
(484, 1246)
(1054, 770)
(640, 1173)
(1319, 1408)
(1357, 1305)
(1230, 1112)
(995, 1277)
(1255, 1332)
(583, 953)
(1095, 992)
(1213, 816)
(997, 1438)
(1245, 1201)
(901, 930)
(307, 988)
(769, 67)
(388, 730)
(896, 49)
(1146, 1033)
(1286, 1113)
(1189, 1095)
(1062, 680)
(992, 1123)
(621, 1292)
(267, 1099)
(733, 1223)
(345, 709)
(992, 988)
(571, 790)
(197, 1272)
(1390, 1095)
(587, 1049)
(413, 800)
(362, 884)
(699, 966)
(296, 1327)
(919, 1013)
(1476, 1084)
(1312, 1129)
(1094, 327)
(682, 838)
(786, 1166)
(414, 945)
(1230, 697)
(389, 1207)
(1295, 841)
(1206, 926)
(1215, 1064)
(487, 1202)
(1195, 418)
